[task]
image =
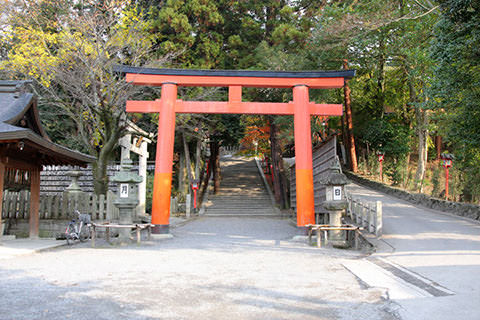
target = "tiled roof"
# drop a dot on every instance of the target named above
(16, 103)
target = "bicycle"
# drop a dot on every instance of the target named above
(78, 229)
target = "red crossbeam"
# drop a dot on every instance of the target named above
(234, 107)
(216, 81)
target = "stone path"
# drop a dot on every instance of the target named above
(241, 267)
(213, 268)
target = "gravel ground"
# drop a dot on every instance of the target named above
(213, 268)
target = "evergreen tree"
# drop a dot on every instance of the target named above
(457, 81)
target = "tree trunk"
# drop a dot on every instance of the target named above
(188, 163)
(276, 154)
(381, 75)
(100, 177)
(438, 144)
(204, 175)
(198, 159)
(422, 135)
(215, 164)
(349, 122)
(406, 173)
(99, 168)
(422, 132)
(181, 173)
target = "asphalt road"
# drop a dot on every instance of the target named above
(213, 268)
(437, 254)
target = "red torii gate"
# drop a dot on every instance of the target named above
(301, 108)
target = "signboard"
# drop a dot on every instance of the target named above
(337, 193)
(124, 190)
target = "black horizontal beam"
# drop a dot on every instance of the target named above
(238, 73)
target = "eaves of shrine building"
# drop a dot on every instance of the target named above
(23, 141)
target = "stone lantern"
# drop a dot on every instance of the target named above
(127, 199)
(74, 187)
(336, 202)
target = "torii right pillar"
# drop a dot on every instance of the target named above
(303, 156)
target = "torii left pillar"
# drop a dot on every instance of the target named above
(162, 182)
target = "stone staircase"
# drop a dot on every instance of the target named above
(242, 192)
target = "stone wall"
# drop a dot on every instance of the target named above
(46, 228)
(54, 179)
(468, 210)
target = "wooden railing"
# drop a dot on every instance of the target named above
(62, 206)
(365, 214)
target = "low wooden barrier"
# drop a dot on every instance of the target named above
(324, 228)
(138, 228)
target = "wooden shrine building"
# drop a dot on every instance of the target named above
(25, 147)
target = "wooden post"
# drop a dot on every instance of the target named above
(371, 218)
(357, 242)
(378, 218)
(349, 206)
(93, 206)
(2, 175)
(101, 207)
(56, 205)
(364, 216)
(110, 206)
(48, 202)
(358, 213)
(446, 182)
(188, 201)
(22, 206)
(34, 202)
(92, 236)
